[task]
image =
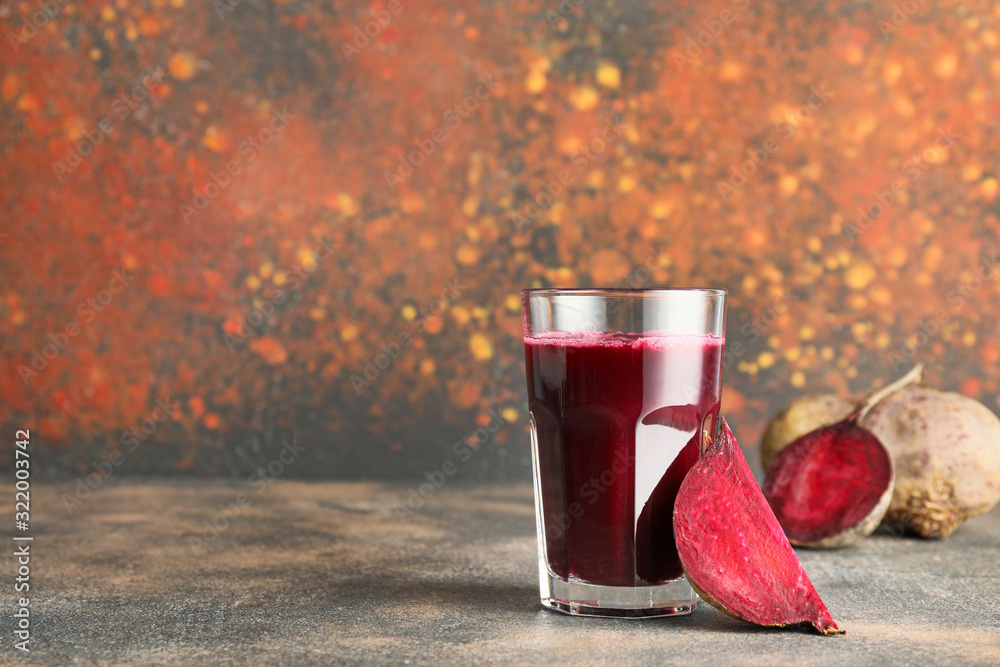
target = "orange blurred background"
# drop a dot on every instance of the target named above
(231, 226)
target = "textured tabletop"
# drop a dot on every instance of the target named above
(327, 573)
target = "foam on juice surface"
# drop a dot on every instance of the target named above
(657, 340)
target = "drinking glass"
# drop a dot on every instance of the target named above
(621, 385)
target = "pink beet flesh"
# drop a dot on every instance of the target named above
(733, 549)
(827, 482)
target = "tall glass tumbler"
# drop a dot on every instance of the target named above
(621, 384)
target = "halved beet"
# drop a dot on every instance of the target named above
(732, 548)
(830, 487)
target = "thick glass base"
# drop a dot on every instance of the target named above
(582, 599)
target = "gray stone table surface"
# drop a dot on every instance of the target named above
(325, 573)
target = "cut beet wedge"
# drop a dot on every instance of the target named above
(655, 552)
(680, 417)
(830, 487)
(733, 550)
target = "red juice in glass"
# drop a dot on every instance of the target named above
(615, 419)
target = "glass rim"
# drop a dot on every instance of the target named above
(618, 291)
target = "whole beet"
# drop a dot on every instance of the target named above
(946, 449)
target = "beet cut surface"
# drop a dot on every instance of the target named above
(830, 487)
(732, 548)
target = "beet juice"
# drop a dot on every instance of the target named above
(615, 418)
